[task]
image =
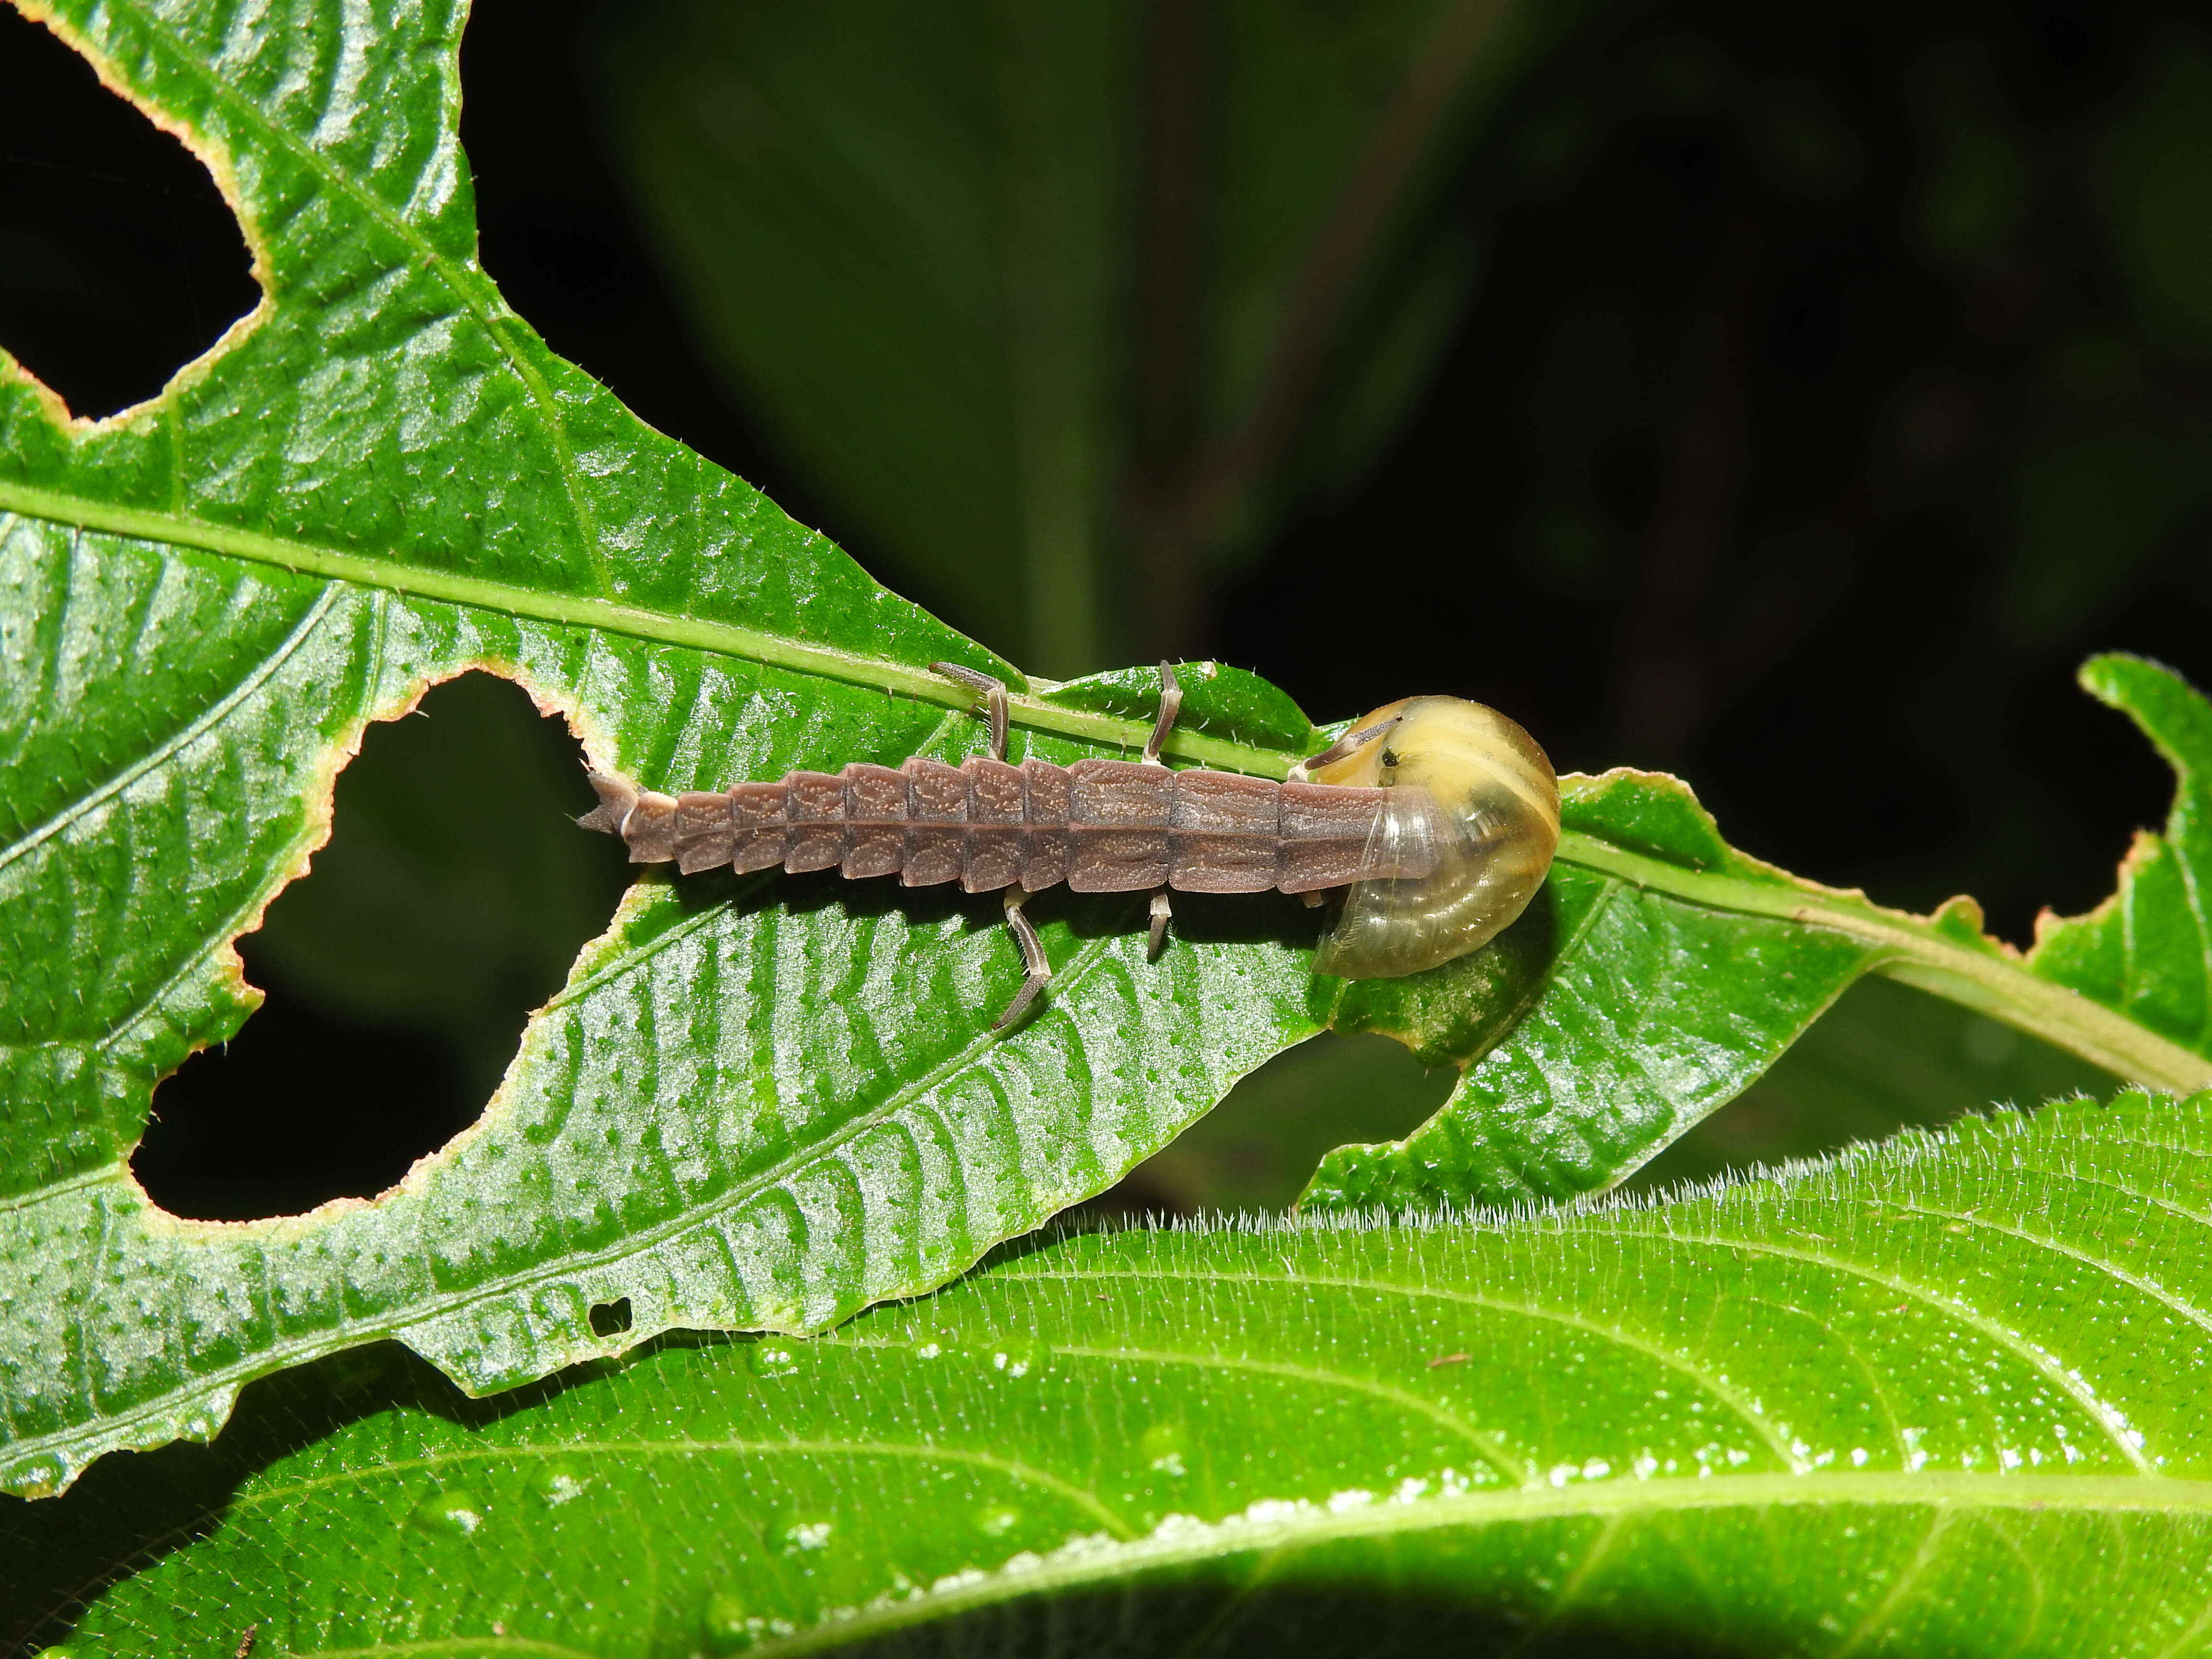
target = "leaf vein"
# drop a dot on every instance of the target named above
(192, 730)
(1718, 1388)
(1517, 1470)
(1923, 1557)
(2151, 1288)
(2107, 1417)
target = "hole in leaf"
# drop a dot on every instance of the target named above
(611, 1318)
(1257, 1150)
(121, 262)
(451, 898)
(1885, 1057)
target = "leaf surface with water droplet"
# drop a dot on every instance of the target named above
(1942, 1395)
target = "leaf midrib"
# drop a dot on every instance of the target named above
(173, 530)
(1313, 1525)
(1913, 951)
(1910, 949)
(1611, 1498)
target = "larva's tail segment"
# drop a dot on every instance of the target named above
(616, 797)
(646, 822)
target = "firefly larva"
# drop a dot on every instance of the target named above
(1439, 816)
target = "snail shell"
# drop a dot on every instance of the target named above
(1474, 802)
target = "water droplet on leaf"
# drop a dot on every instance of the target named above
(1163, 1447)
(773, 1356)
(560, 1483)
(449, 1513)
(997, 1520)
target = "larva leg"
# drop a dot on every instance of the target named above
(994, 693)
(1034, 962)
(1348, 744)
(1162, 912)
(1170, 702)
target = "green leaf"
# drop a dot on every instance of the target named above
(1885, 1057)
(2147, 949)
(1230, 703)
(1941, 1397)
(1664, 971)
(756, 1104)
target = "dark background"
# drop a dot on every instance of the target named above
(1807, 392)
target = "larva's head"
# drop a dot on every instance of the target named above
(1481, 812)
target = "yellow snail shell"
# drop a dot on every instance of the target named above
(1480, 810)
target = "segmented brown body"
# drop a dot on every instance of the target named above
(1102, 826)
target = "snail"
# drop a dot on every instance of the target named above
(1470, 799)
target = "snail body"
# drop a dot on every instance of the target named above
(1472, 805)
